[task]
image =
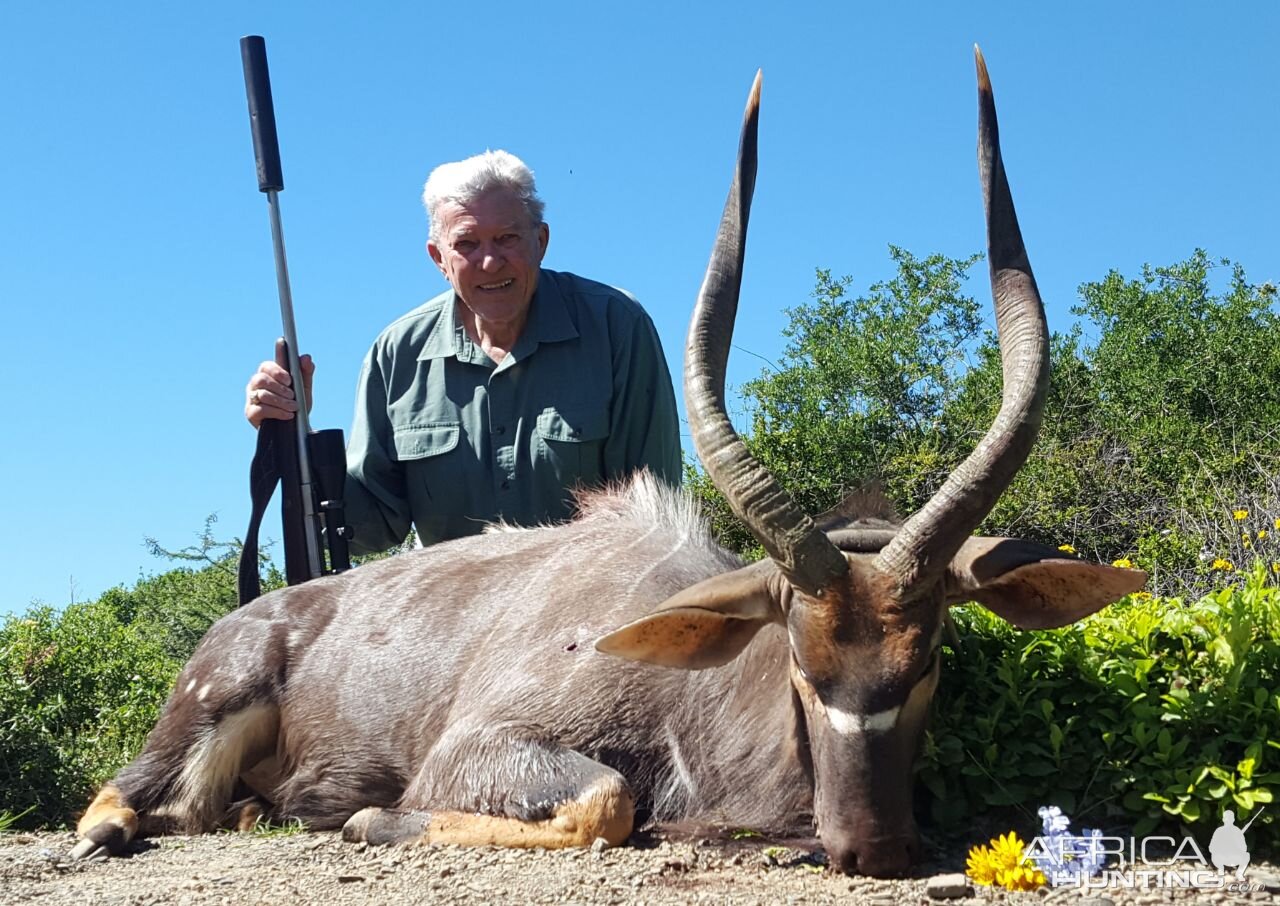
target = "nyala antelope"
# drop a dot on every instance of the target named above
(550, 686)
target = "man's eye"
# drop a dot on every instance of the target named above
(465, 247)
(508, 240)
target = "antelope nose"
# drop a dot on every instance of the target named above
(884, 857)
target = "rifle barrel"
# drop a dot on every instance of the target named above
(266, 152)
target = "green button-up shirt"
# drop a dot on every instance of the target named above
(448, 439)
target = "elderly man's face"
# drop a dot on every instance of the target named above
(490, 253)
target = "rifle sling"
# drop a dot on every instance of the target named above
(275, 460)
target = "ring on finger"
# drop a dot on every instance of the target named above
(256, 397)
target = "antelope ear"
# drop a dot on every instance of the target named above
(705, 625)
(1033, 586)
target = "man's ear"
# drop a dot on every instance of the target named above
(1034, 586)
(437, 256)
(705, 625)
(544, 240)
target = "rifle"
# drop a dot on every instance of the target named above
(309, 465)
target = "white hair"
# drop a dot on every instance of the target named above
(464, 181)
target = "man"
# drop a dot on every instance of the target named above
(500, 396)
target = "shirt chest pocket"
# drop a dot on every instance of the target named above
(434, 473)
(423, 441)
(570, 442)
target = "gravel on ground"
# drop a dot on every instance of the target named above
(304, 868)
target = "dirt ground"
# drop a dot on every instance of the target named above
(319, 868)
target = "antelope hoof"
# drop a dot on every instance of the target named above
(382, 826)
(88, 849)
(101, 841)
(107, 826)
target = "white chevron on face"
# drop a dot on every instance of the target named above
(847, 724)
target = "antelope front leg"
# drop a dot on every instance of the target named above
(560, 799)
(604, 811)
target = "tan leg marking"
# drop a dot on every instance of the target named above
(108, 823)
(604, 809)
(248, 817)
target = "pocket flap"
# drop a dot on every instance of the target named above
(421, 441)
(573, 426)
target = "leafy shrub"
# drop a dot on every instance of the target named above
(81, 688)
(79, 691)
(1152, 713)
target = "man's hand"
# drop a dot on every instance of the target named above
(270, 391)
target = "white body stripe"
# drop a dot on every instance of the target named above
(847, 724)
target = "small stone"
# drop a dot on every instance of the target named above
(1097, 901)
(947, 887)
(599, 845)
(1269, 883)
(446, 872)
(348, 879)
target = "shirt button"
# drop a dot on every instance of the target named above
(500, 430)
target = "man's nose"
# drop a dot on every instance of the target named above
(492, 259)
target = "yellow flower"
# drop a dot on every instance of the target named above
(1142, 596)
(1001, 863)
(1225, 565)
(1024, 877)
(1275, 567)
(1262, 533)
(1066, 548)
(1240, 515)
(1276, 524)
(1008, 849)
(1123, 563)
(980, 867)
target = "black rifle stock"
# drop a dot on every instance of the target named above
(309, 465)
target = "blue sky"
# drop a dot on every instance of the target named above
(135, 257)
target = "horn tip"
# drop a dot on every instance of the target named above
(753, 100)
(984, 79)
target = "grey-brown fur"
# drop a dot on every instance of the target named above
(423, 682)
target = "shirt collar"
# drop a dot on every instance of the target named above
(549, 322)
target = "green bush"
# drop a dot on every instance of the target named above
(81, 688)
(1152, 713)
(79, 691)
